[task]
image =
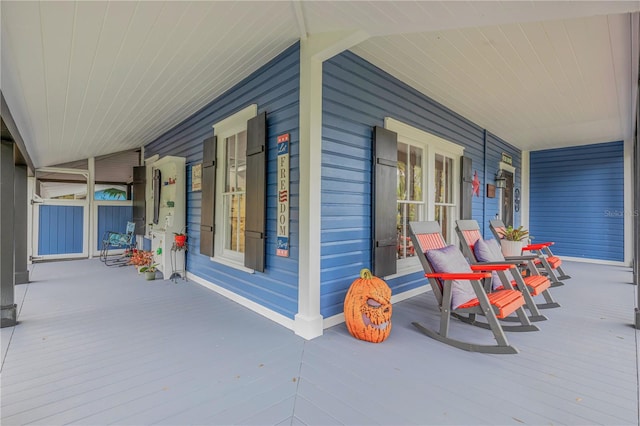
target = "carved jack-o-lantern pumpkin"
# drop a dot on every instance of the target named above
(367, 308)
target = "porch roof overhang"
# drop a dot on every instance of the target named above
(85, 79)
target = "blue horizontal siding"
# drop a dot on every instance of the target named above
(577, 200)
(275, 89)
(356, 97)
(60, 230)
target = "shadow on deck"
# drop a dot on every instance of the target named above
(99, 345)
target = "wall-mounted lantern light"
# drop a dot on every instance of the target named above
(501, 180)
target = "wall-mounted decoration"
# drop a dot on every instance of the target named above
(196, 177)
(506, 158)
(476, 184)
(282, 240)
(516, 200)
(491, 191)
(501, 179)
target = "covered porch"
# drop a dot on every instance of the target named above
(98, 345)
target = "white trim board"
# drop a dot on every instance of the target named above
(411, 132)
(594, 261)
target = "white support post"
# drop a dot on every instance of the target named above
(314, 50)
(92, 229)
(524, 190)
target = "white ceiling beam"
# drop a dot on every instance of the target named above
(299, 15)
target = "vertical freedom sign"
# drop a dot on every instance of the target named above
(282, 241)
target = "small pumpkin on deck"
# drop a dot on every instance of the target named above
(367, 308)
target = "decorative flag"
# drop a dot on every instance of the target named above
(476, 184)
(282, 236)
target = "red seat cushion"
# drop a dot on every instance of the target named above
(507, 301)
(554, 261)
(536, 283)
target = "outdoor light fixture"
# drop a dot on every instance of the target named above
(501, 180)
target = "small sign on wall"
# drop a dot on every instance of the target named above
(491, 191)
(196, 177)
(282, 237)
(506, 158)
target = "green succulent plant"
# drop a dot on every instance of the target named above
(514, 234)
(149, 268)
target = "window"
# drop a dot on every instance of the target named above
(230, 198)
(444, 201)
(428, 170)
(410, 197)
(233, 197)
(110, 192)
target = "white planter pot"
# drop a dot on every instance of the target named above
(511, 248)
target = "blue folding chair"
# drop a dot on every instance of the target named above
(118, 241)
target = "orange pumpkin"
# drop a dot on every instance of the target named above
(367, 308)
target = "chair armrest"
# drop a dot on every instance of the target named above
(516, 259)
(495, 262)
(538, 246)
(498, 266)
(459, 276)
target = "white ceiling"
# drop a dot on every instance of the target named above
(91, 78)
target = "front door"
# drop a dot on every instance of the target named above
(507, 199)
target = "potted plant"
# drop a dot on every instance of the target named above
(180, 238)
(141, 259)
(513, 239)
(149, 271)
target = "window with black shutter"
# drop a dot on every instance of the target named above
(426, 187)
(234, 191)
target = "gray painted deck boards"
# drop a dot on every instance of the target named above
(99, 346)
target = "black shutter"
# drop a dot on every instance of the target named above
(157, 187)
(384, 202)
(254, 234)
(466, 188)
(208, 196)
(139, 198)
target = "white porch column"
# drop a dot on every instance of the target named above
(524, 190)
(314, 50)
(91, 205)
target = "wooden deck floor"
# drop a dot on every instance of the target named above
(99, 346)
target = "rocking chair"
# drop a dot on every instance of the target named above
(548, 263)
(479, 251)
(460, 292)
(117, 241)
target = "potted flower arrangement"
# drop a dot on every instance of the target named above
(180, 239)
(143, 259)
(513, 239)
